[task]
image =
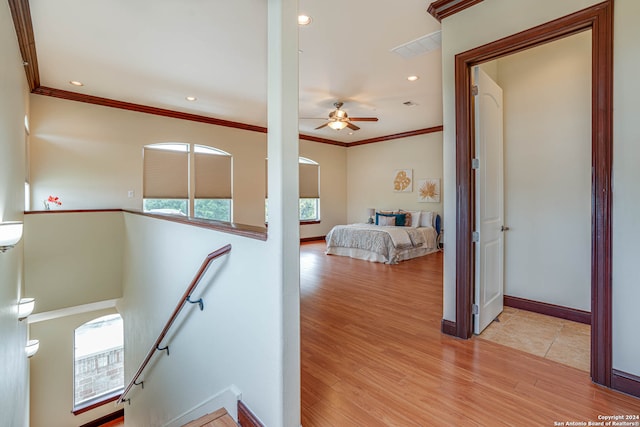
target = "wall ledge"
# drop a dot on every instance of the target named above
(252, 232)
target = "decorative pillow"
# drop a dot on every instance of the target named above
(413, 218)
(386, 220)
(426, 219)
(399, 219)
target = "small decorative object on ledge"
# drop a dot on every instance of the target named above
(52, 200)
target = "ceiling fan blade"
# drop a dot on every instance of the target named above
(352, 126)
(321, 126)
(312, 118)
(363, 119)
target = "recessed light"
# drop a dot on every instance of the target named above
(304, 20)
(191, 98)
(412, 78)
(76, 83)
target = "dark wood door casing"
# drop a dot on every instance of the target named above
(599, 19)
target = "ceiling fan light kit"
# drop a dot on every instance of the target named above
(337, 125)
(339, 119)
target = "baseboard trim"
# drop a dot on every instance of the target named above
(105, 419)
(626, 383)
(312, 239)
(246, 418)
(566, 313)
(448, 327)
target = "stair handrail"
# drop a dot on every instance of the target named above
(183, 300)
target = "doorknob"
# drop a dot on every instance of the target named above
(503, 228)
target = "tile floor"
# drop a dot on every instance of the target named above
(556, 339)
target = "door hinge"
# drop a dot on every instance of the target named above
(475, 163)
(475, 236)
(475, 309)
(474, 90)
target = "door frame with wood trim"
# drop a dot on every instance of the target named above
(599, 19)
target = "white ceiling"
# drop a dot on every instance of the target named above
(158, 52)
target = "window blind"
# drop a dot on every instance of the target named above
(309, 181)
(213, 176)
(166, 174)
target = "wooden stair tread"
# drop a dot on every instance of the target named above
(219, 418)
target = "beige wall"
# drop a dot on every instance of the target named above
(491, 20)
(547, 172)
(370, 173)
(13, 107)
(91, 156)
(73, 258)
(52, 373)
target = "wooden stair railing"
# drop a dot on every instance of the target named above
(185, 298)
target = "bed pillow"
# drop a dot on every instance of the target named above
(399, 219)
(426, 219)
(387, 220)
(413, 218)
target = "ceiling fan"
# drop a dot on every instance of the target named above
(339, 119)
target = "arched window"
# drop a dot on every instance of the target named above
(309, 172)
(309, 190)
(187, 179)
(98, 360)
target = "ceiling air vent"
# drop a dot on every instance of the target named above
(419, 46)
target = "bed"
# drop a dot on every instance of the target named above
(383, 242)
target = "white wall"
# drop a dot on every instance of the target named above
(370, 173)
(494, 19)
(52, 373)
(547, 172)
(73, 258)
(626, 176)
(233, 341)
(13, 107)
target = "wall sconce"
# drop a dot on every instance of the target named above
(10, 234)
(32, 347)
(25, 307)
(370, 213)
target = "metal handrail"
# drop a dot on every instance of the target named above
(185, 298)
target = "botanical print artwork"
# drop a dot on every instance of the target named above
(429, 190)
(402, 181)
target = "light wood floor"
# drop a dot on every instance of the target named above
(372, 354)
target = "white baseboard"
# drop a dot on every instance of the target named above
(227, 398)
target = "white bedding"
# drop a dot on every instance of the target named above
(380, 243)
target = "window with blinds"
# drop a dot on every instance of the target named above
(309, 190)
(181, 178)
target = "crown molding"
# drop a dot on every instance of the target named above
(106, 102)
(21, 14)
(397, 136)
(440, 9)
